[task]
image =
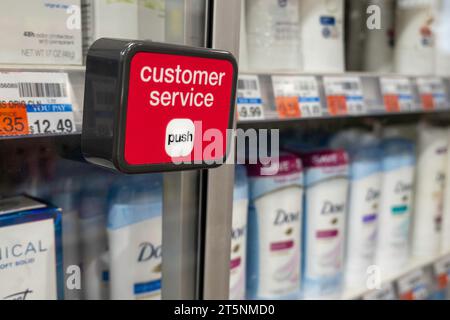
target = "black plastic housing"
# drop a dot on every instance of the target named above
(106, 95)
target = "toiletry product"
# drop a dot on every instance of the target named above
(110, 19)
(414, 51)
(239, 235)
(40, 32)
(94, 252)
(325, 207)
(442, 63)
(429, 191)
(398, 161)
(322, 35)
(273, 38)
(30, 250)
(273, 246)
(135, 238)
(65, 191)
(364, 197)
(445, 240)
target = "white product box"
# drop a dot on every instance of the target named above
(40, 32)
(111, 19)
(30, 250)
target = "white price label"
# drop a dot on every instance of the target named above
(47, 97)
(297, 96)
(344, 95)
(413, 286)
(249, 102)
(397, 94)
(432, 93)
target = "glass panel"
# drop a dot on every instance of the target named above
(104, 229)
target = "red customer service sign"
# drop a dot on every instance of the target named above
(173, 101)
(152, 107)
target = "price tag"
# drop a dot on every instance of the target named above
(44, 99)
(397, 94)
(442, 271)
(386, 292)
(297, 96)
(344, 95)
(413, 286)
(432, 93)
(249, 102)
(13, 119)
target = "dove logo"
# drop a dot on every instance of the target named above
(149, 251)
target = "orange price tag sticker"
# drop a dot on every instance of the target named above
(442, 281)
(427, 101)
(287, 107)
(13, 119)
(337, 105)
(391, 103)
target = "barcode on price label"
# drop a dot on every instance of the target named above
(45, 100)
(249, 102)
(413, 286)
(432, 93)
(297, 96)
(397, 94)
(344, 95)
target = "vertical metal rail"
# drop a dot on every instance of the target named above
(224, 22)
(181, 189)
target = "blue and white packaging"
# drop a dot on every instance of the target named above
(325, 207)
(273, 248)
(31, 262)
(398, 163)
(364, 197)
(429, 191)
(238, 257)
(94, 252)
(135, 238)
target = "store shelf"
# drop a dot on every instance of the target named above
(265, 98)
(413, 265)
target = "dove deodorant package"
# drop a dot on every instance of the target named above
(398, 161)
(239, 235)
(429, 195)
(325, 206)
(364, 197)
(273, 248)
(273, 39)
(135, 237)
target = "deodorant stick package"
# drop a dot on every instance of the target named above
(322, 35)
(445, 241)
(135, 238)
(364, 198)
(325, 207)
(415, 39)
(239, 235)
(398, 163)
(273, 249)
(273, 38)
(429, 195)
